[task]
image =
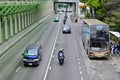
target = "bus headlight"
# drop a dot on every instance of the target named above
(91, 54)
(106, 54)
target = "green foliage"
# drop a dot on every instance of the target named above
(98, 5)
(113, 20)
(93, 3)
(113, 38)
(87, 15)
(55, 0)
(100, 12)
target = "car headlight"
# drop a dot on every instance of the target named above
(36, 59)
(24, 59)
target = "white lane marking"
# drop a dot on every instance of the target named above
(50, 68)
(79, 67)
(81, 72)
(82, 78)
(78, 56)
(78, 59)
(17, 69)
(53, 56)
(79, 63)
(45, 76)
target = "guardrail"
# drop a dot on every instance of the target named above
(20, 2)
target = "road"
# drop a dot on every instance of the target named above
(77, 66)
(74, 66)
(50, 35)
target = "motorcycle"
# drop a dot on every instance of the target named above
(61, 60)
(64, 21)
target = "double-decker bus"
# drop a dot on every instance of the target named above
(96, 38)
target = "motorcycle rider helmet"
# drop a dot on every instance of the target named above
(62, 49)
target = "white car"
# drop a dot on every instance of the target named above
(66, 29)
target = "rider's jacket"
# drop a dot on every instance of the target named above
(61, 55)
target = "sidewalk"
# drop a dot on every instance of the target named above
(116, 60)
(8, 44)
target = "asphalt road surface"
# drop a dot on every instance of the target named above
(77, 66)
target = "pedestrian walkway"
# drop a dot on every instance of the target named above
(8, 44)
(116, 60)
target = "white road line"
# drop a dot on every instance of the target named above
(81, 72)
(45, 76)
(17, 69)
(53, 56)
(79, 63)
(50, 68)
(82, 78)
(76, 53)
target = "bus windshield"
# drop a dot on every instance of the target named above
(99, 38)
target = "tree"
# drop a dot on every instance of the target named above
(97, 7)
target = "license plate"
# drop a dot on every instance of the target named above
(30, 64)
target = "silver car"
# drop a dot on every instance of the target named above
(66, 29)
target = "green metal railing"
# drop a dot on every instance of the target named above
(11, 7)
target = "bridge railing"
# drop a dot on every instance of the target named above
(19, 2)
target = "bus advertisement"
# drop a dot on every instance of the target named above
(96, 38)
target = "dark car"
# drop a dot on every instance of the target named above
(66, 29)
(32, 55)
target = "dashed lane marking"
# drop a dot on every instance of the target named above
(81, 72)
(53, 56)
(46, 72)
(82, 78)
(50, 68)
(79, 63)
(17, 69)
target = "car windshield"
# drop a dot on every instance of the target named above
(66, 27)
(32, 52)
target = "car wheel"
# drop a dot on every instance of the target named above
(25, 65)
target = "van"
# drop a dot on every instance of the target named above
(32, 55)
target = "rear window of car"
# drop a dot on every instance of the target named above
(66, 27)
(56, 18)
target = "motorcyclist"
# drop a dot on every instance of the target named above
(61, 54)
(64, 21)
